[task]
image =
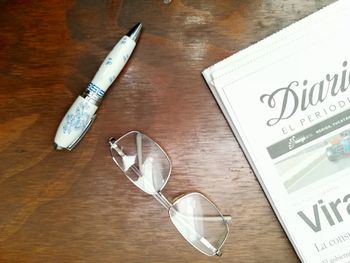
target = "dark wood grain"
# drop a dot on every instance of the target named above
(77, 206)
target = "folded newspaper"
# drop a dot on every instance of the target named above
(287, 100)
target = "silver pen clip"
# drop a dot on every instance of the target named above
(87, 127)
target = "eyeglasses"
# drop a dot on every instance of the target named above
(146, 165)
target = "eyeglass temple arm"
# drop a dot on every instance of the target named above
(112, 143)
(139, 148)
(227, 218)
(167, 204)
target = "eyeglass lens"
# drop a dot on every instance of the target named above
(142, 161)
(200, 222)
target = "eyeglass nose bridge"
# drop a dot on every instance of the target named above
(163, 200)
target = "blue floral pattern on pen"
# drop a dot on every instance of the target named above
(109, 61)
(125, 58)
(77, 120)
(123, 40)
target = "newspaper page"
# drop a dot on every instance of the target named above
(288, 103)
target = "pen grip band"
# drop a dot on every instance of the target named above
(93, 94)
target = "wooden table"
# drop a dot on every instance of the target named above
(77, 206)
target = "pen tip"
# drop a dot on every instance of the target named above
(58, 148)
(135, 32)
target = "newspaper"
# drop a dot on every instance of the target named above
(287, 100)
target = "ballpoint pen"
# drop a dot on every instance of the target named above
(81, 114)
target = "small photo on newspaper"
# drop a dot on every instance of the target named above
(313, 154)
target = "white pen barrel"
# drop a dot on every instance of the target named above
(112, 65)
(75, 122)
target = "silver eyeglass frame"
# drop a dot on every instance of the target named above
(160, 197)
